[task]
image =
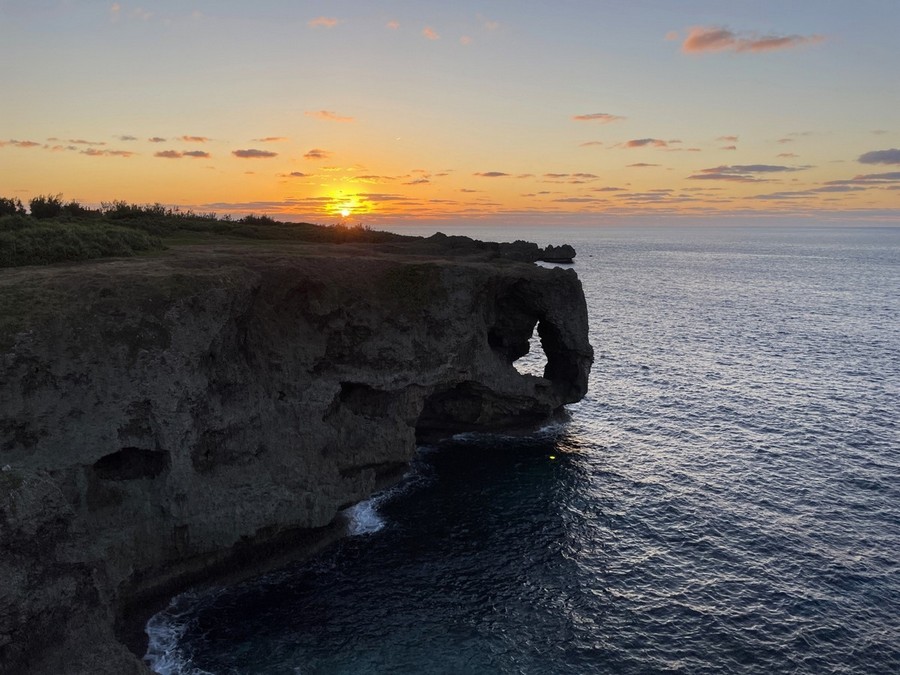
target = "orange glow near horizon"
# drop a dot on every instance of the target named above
(393, 125)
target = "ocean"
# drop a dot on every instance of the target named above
(726, 498)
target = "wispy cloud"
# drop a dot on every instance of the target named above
(317, 153)
(79, 141)
(602, 118)
(328, 116)
(195, 139)
(253, 153)
(490, 174)
(645, 142)
(157, 139)
(891, 156)
(727, 139)
(430, 33)
(589, 144)
(743, 173)
(127, 138)
(640, 165)
(177, 154)
(295, 174)
(323, 22)
(21, 144)
(393, 25)
(465, 40)
(95, 152)
(271, 139)
(704, 39)
(869, 179)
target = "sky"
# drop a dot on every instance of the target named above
(572, 112)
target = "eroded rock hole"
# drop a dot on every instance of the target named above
(131, 464)
(534, 362)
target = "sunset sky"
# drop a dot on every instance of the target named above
(570, 112)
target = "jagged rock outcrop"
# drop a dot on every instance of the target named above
(523, 251)
(161, 417)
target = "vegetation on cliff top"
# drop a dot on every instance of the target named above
(53, 230)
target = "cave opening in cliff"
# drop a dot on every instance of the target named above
(534, 361)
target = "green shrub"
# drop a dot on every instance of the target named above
(50, 242)
(46, 206)
(16, 222)
(11, 207)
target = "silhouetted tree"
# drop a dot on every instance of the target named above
(11, 207)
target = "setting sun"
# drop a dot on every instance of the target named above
(345, 213)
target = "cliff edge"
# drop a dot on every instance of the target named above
(161, 417)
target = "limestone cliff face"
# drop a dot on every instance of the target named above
(158, 415)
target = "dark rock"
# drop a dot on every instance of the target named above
(564, 254)
(223, 400)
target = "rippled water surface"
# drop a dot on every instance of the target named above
(726, 498)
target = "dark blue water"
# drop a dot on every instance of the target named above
(726, 498)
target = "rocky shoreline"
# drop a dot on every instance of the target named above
(171, 418)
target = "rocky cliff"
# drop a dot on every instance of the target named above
(162, 418)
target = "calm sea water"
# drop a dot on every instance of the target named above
(726, 498)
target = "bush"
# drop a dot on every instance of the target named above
(46, 206)
(11, 207)
(76, 210)
(16, 222)
(44, 243)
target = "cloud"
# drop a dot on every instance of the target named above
(727, 139)
(323, 22)
(591, 143)
(253, 153)
(728, 147)
(465, 40)
(195, 139)
(328, 116)
(703, 39)
(393, 25)
(838, 188)
(643, 142)
(270, 139)
(81, 141)
(175, 154)
(157, 139)
(490, 174)
(602, 118)
(317, 153)
(869, 179)
(127, 138)
(115, 10)
(640, 165)
(418, 181)
(891, 156)
(787, 155)
(21, 144)
(780, 196)
(430, 33)
(94, 152)
(743, 173)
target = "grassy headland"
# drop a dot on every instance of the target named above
(53, 230)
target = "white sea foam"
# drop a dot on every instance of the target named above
(363, 518)
(164, 632)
